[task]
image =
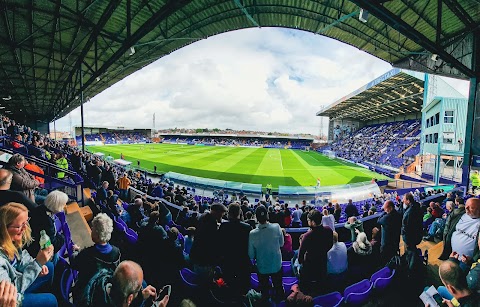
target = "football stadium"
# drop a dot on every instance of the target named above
(381, 210)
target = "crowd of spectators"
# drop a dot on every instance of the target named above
(208, 233)
(382, 144)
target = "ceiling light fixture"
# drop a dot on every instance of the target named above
(363, 16)
(132, 51)
(434, 57)
(7, 98)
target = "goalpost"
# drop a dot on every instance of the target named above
(306, 148)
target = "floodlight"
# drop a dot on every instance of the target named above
(7, 98)
(363, 16)
(434, 57)
(132, 51)
(97, 79)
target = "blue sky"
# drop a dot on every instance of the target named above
(266, 79)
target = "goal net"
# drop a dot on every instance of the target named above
(306, 148)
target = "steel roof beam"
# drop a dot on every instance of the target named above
(405, 29)
(168, 9)
(107, 13)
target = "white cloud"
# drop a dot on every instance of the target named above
(267, 79)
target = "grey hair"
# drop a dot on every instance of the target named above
(102, 227)
(56, 201)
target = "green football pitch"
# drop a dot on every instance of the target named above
(249, 165)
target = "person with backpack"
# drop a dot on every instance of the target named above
(101, 255)
(123, 287)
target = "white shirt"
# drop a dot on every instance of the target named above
(329, 220)
(464, 238)
(337, 259)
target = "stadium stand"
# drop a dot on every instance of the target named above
(129, 235)
(392, 144)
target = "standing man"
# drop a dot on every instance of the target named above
(412, 223)
(313, 251)
(391, 222)
(462, 228)
(123, 185)
(205, 249)
(264, 246)
(235, 263)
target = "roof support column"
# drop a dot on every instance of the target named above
(81, 109)
(472, 132)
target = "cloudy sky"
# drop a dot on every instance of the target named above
(267, 79)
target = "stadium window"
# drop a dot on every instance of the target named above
(435, 138)
(448, 141)
(437, 118)
(448, 119)
(428, 122)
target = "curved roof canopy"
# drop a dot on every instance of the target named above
(51, 50)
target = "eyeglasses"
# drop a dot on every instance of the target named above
(21, 226)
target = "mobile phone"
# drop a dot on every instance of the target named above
(166, 290)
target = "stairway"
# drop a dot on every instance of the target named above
(406, 149)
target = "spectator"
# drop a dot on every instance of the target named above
(61, 163)
(43, 218)
(235, 262)
(7, 195)
(438, 226)
(453, 277)
(250, 220)
(188, 242)
(22, 180)
(101, 255)
(123, 288)
(337, 257)
(135, 213)
(351, 209)
(354, 225)
(123, 185)
(461, 230)
(33, 167)
(412, 224)
(360, 255)
(296, 215)
(328, 220)
(375, 242)
(337, 212)
(264, 246)
(313, 251)
(28, 274)
(287, 248)
(205, 249)
(102, 193)
(391, 223)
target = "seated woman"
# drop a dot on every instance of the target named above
(28, 274)
(43, 218)
(101, 255)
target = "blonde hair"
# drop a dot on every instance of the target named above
(8, 213)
